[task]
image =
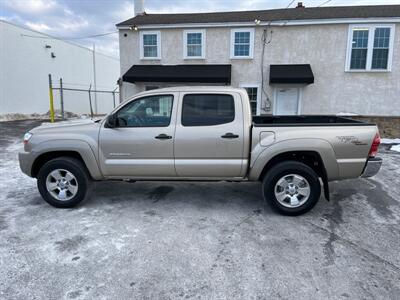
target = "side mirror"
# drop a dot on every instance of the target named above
(111, 121)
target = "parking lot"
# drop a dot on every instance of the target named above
(168, 240)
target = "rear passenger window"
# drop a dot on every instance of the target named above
(207, 109)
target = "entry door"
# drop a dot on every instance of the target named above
(287, 101)
(209, 136)
(142, 143)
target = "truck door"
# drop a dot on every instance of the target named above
(209, 135)
(142, 142)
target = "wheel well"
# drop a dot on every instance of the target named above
(310, 158)
(45, 157)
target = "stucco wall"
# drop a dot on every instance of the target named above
(25, 64)
(322, 46)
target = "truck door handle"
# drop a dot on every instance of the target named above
(163, 136)
(229, 135)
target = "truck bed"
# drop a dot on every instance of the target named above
(305, 120)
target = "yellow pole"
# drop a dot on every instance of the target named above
(51, 100)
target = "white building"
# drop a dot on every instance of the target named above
(26, 59)
(321, 60)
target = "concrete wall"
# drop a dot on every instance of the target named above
(25, 64)
(322, 46)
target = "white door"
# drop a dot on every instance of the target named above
(287, 101)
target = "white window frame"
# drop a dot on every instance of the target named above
(371, 35)
(251, 50)
(142, 33)
(251, 85)
(203, 44)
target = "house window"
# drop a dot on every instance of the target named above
(253, 96)
(359, 49)
(370, 48)
(194, 44)
(242, 41)
(150, 45)
(380, 52)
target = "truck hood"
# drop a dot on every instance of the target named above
(66, 126)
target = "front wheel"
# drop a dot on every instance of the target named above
(291, 188)
(63, 182)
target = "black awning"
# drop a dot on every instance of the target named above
(291, 74)
(179, 73)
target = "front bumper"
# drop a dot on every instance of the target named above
(372, 167)
(25, 162)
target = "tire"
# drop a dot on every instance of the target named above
(285, 188)
(63, 182)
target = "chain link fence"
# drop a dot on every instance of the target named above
(73, 100)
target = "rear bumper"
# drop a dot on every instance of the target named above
(372, 167)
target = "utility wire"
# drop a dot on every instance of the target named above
(323, 3)
(291, 2)
(69, 38)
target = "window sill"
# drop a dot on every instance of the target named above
(241, 57)
(368, 71)
(193, 57)
(150, 58)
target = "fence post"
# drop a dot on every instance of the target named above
(51, 100)
(62, 99)
(90, 101)
(113, 94)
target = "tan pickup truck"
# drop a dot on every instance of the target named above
(201, 133)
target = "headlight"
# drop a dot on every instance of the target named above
(27, 137)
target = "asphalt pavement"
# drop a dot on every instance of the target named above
(180, 240)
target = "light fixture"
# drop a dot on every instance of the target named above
(257, 21)
(134, 27)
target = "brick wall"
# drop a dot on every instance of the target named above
(389, 127)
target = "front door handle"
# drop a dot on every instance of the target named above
(229, 135)
(163, 136)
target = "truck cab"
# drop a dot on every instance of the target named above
(193, 133)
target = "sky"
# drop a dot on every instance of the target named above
(77, 19)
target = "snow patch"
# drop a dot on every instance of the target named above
(10, 173)
(395, 148)
(45, 116)
(390, 141)
(346, 114)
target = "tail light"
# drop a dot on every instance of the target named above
(375, 145)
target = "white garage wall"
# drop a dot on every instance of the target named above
(25, 64)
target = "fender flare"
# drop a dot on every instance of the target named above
(320, 146)
(79, 146)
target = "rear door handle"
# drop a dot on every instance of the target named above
(229, 135)
(163, 136)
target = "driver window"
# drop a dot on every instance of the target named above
(151, 111)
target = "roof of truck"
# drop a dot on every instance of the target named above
(194, 88)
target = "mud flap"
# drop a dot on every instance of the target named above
(326, 184)
(326, 188)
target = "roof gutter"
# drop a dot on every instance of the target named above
(264, 23)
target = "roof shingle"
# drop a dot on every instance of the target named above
(310, 13)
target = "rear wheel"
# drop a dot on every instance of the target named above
(291, 188)
(63, 182)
